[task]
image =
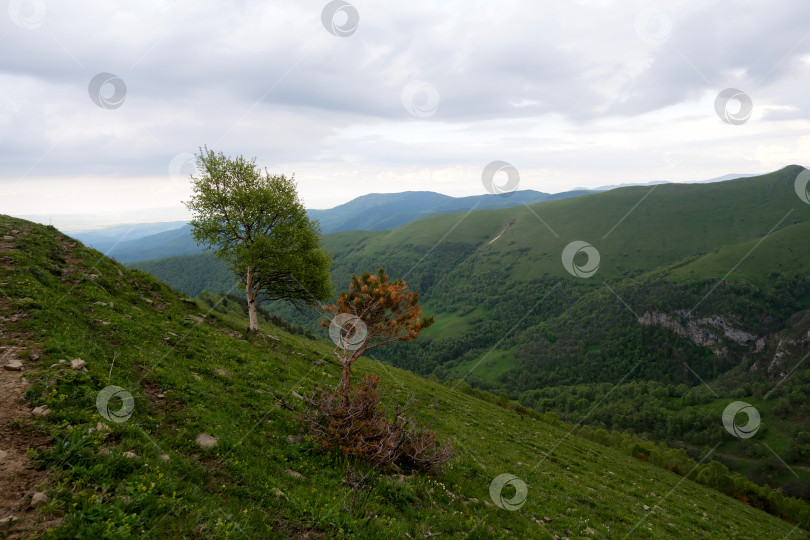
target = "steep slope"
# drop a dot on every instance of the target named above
(191, 371)
(724, 318)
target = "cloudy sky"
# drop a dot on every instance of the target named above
(104, 103)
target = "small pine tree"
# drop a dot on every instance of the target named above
(373, 312)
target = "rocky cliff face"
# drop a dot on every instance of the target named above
(776, 354)
(706, 331)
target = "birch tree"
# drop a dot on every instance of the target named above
(256, 222)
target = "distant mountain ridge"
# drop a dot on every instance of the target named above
(372, 212)
(106, 238)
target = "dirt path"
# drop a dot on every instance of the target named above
(17, 480)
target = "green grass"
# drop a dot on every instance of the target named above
(230, 491)
(783, 252)
(489, 367)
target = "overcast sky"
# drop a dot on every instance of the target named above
(415, 96)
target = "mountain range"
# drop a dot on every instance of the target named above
(701, 293)
(372, 212)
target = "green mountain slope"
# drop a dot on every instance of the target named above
(682, 268)
(495, 277)
(191, 371)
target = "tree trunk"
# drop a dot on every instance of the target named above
(251, 302)
(345, 383)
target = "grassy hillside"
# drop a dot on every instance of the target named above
(511, 319)
(191, 371)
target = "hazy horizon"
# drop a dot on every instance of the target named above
(179, 214)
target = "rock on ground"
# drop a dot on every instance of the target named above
(205, 440)
(39, 499)
(77, 363)
(42, 410)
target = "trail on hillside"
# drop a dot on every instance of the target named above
(18, 480)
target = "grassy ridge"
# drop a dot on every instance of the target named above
(155, 343)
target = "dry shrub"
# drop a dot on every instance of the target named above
(362, 429)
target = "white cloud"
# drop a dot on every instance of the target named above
(569, 93)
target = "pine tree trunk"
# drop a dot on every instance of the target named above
(251, 302)
(345, 383)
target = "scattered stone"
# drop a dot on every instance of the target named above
(196, 377)
(93, 277)
(160, 396)
(15, 231)
(294, 474)
(39, 499)
(205, 440)
(473, 500)
(77, 363)
(547, 519)
(8, 237)
(295, 439)
(120, 273)
(104, 452)
(163, 457)
(278, 493)
(63, 361)
(57, 365)
(195, 318)
(7, 519)
(645, 507)
(296, 394)
(589, 530)
(100, 303)
(34, 357)
(3, 455)
(102, 427)
(129, 455)
(223, 372)
(14, 365)
(42, 410)
(148, 301)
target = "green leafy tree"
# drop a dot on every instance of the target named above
(258, 225)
